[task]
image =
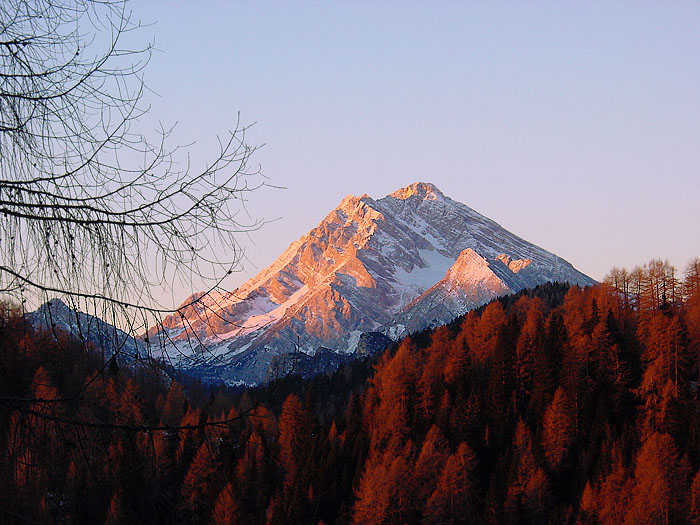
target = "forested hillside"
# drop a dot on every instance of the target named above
(556, 405)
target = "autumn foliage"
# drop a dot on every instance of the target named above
(556, 405)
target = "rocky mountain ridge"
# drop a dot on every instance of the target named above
(56, 316)
(392, 265)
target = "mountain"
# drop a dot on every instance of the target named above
(392, 265)
(57, 316)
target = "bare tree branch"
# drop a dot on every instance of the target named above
(90, 209)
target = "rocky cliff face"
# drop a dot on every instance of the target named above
(392, 265)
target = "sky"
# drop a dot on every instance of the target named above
(574, 125)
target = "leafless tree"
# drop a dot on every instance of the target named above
(691, 283)
(98, 214)
(91, 210)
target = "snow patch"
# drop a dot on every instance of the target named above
(395, 331)
(262, 319)
(411, 284)
(353, 339)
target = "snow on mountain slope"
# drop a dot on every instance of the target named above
(470, 282)
(57, 317)
(370, 264)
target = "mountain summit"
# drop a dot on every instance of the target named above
(421, 190)
(392, 265)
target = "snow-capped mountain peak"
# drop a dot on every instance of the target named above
(370, 265)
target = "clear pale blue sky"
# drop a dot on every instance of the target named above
(575, 126)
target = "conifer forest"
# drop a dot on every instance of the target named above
(555, 405)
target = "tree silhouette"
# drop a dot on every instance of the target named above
(225, 507)
(659, 494)
(454, 499)
(557, 429)
(93, 210)
(429, 464)
(695, 499)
